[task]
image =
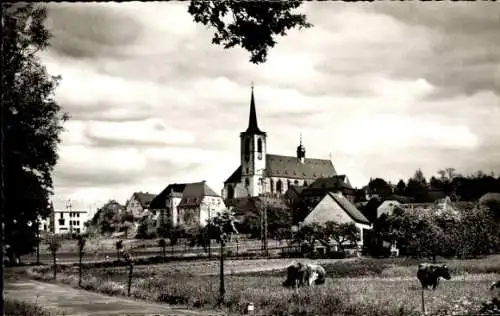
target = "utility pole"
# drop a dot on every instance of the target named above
(263, 218)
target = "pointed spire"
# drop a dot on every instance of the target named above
(300, 139)
(253, 127)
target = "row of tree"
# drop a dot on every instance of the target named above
(418, 233)
(455, 185)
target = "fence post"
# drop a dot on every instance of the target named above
(423, 302)
(130, 278)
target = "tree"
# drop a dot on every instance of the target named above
(81, 241)
(54, 244)
(224, 227)
(119, 247)
(162, 244)
(342, 234)
(379, 186)
(174, 235)
(400, 187)
(253, 25)
(31, 123)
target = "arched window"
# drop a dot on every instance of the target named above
(288, 184)
(279, 186)
(305, 183)
(296, 182)
(259, 148)
(230, 192)
(247, 149)
(271, 184)
(247, 182)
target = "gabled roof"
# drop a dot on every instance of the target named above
(291, 167)
(144, 199)
(175, 189)
(194, 193)
(350, 209)
(235, 177)
(335, 182)
(345, 205)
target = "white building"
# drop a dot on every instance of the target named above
(67, 220)
(187, 204)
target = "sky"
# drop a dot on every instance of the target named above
(382, 88)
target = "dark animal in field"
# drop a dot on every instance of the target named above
(495, 285)
(428, 274)
(300, 274)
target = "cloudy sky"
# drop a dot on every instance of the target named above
(385, 88)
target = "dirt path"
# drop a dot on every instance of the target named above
(70, 301)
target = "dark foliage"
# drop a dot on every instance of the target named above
(253, 25)
(32, 123)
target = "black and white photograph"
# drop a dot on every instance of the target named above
(227, 157)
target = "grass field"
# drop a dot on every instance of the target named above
(354, 287)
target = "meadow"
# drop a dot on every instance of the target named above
(354, 287)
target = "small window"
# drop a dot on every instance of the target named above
(61, 221)
(77, 214)
(247, 182)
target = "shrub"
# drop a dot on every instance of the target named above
(19, 308)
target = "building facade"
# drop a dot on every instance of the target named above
(187, 204)
(263, 173)
(68, 220)
(139, 203)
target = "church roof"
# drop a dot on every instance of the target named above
(291, 167)
(235, 177)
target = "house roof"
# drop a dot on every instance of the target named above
(335, 182)
(400, 198)
(175, 189)
(144, 199)
(489, 196)
(193, 194)
(350, 209)
(346, 206)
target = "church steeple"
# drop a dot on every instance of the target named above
(301, 151)
(253, 127)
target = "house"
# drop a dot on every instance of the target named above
(260, 172)
(187, 204)
(391, 203)
(321, 186)
(138, 203)
(68, 220)
(337, 208)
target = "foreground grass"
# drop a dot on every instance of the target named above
(19, 308)
(364, 287)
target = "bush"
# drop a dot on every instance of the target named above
(15, 307)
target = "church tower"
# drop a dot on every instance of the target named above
(253, 153)
(301, 151)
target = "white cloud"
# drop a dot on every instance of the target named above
(149, 131)
(153, 101)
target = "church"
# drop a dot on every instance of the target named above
(261, 173)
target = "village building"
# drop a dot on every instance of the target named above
(335, 207)
(67, 219)
(186, 204)
(260, 172)
(139, 203)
